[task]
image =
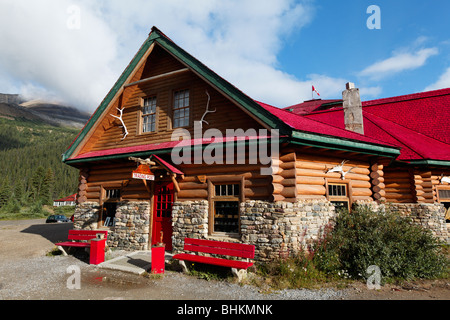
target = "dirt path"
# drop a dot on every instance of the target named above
(26, 272)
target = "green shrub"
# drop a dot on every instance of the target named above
(400, 248)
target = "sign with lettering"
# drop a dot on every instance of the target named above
(143, 172)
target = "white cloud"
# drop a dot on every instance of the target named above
(441, 83)
(399, 62)
(44, 57)
(370, 91)
(240, 40)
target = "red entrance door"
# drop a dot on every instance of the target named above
(162, 214)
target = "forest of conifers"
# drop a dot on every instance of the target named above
(32, 173)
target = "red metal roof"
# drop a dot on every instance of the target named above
(310, 106)
(170, 167)
(306, 124)
(71, 198)
(162, 146)
(418, 123)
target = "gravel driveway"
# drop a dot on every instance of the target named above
(27, 273)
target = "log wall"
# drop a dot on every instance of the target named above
(304, 176)
(399, 185)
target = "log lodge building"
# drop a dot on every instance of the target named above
(146, 169)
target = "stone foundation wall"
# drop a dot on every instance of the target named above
(282, 228)
(86, 216)
(189, 220)
(132, 228)
(276, 229)
(428, 215)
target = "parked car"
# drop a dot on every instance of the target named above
(59, 218)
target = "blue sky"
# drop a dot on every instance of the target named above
(74, 50)
(338, 43)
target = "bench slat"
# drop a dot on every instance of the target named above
(214, 261)
(74, 244)
(85, 234)
(221, 244)
(218, 247)
(221, 251)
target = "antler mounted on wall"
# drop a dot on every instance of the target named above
(444, 179)
(125, 134)
(340, 168)
(207, 111)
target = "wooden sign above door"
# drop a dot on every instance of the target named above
(143, 172)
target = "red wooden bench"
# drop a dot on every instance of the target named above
(239, 250)
(81, 239)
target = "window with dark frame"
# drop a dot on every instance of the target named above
(112, 194)
(444, 198)
(181, 109)
(149, 115)
(112, 197)
(226, 208)
(338, 195)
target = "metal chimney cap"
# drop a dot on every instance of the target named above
(350, 85)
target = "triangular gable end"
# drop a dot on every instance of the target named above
(129, 76)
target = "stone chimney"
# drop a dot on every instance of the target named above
(352, 109)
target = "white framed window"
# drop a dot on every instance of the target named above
(181, 109)
(149, 115)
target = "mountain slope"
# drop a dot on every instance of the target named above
(43, 111)
(29, 151)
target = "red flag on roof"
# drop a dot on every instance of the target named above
(314, 89)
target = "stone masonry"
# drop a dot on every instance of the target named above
(132, 224)
(276, 229)
(189, 220)
(132, 227)
(86, 216)
(428, 215)
(283, 228)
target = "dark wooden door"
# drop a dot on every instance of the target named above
(162, 214)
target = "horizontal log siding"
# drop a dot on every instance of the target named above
(399, 185)
(310, 174)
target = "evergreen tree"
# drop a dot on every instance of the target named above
(19, 192)
(46, 194)
(36, 183)
(5, 192)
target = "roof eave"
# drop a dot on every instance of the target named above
(329, 142)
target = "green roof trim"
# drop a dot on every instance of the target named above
(430, 163)
(309, 139)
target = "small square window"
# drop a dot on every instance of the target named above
(337, 190)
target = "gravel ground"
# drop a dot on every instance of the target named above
(27, 273)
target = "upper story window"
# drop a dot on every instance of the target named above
(149, 115)
(181, 109)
